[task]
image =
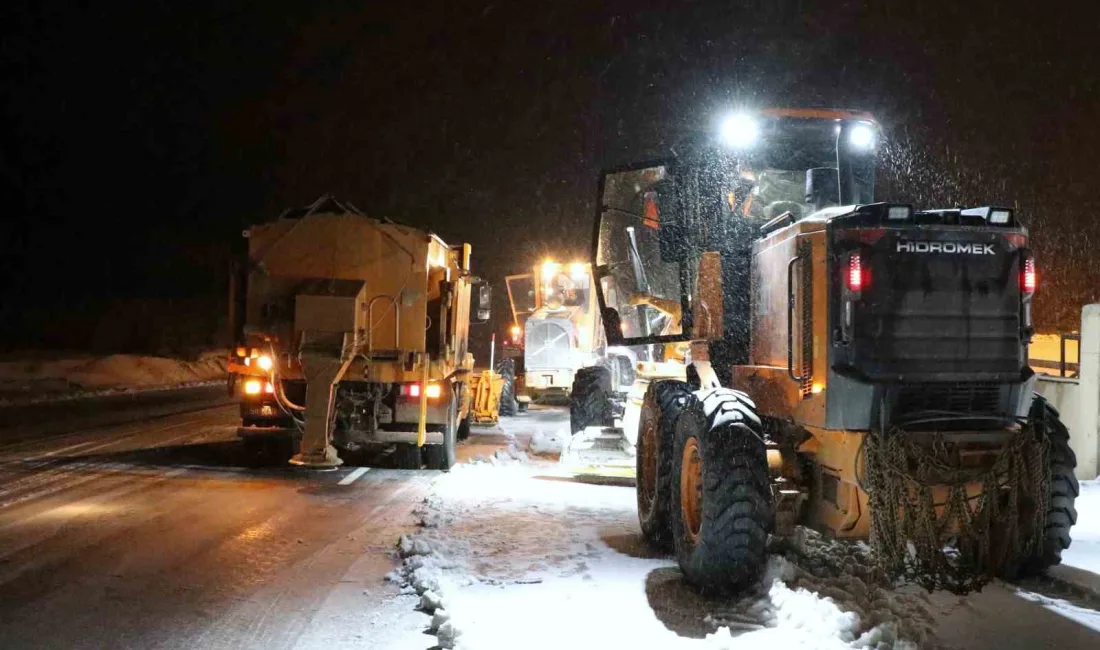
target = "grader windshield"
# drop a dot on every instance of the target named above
(656, 218)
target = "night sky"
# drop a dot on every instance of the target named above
(139, 140)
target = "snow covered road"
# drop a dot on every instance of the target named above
(517, 555)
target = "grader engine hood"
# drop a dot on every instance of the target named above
(928, 314)
(933, 301)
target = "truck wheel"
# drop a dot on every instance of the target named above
(464, 426)
(444, 456)
(722, 508)
(507, 368)
(406, 456)
(664, 402)
(1061, 513)
(590, 399)
(257, 451)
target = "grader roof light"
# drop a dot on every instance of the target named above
(739, 131)
(862, 136)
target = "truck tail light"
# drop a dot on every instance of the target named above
(413, 390)
(855, 276)
(1028, 279)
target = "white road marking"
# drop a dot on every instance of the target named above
(355, 474)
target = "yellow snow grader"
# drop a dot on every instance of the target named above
(555, 314)
(855, 366)
(359, 327)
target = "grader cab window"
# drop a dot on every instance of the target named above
(522, 295)
(565, 286)
(640, 278)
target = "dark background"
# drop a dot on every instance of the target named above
(138, 140)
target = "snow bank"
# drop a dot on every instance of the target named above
(32, 380)
(547, 443)
(513, 558)
(1084, 551)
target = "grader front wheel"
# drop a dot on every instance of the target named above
(723, 509)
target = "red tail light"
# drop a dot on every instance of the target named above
(855, 273)
(1028, 279)
(410, 390)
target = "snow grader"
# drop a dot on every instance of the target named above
(854, 366)
(352, 332)
(556, 317)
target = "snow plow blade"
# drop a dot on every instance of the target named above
(599, 452)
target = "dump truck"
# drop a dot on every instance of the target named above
(556, 326)
(352, 331)
(856, 366)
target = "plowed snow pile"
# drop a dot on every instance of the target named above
(510, 556)
(1084, 552)
(42, 379)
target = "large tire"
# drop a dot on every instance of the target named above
(464, 426)
(507, 368)
(590, 399)
(407, 456)
(622, 372)
(722, 508)
(664, 402)
(1061, 514)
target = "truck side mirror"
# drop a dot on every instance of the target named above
(822, 187)
(481, 302)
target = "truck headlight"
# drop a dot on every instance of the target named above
(264, 362)
(253, 387)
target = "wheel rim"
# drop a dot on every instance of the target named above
(648, 483)
(691, 489)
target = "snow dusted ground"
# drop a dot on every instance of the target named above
(511, 553)
(31, 379)
(1084, 552)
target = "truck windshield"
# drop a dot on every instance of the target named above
(565, 286)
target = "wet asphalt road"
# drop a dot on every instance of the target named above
(156, 531)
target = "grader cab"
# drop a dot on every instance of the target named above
(857, 367)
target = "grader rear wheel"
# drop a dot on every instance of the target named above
(664, 402)
(1061, 512)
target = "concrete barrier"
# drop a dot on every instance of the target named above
(1078, 399)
